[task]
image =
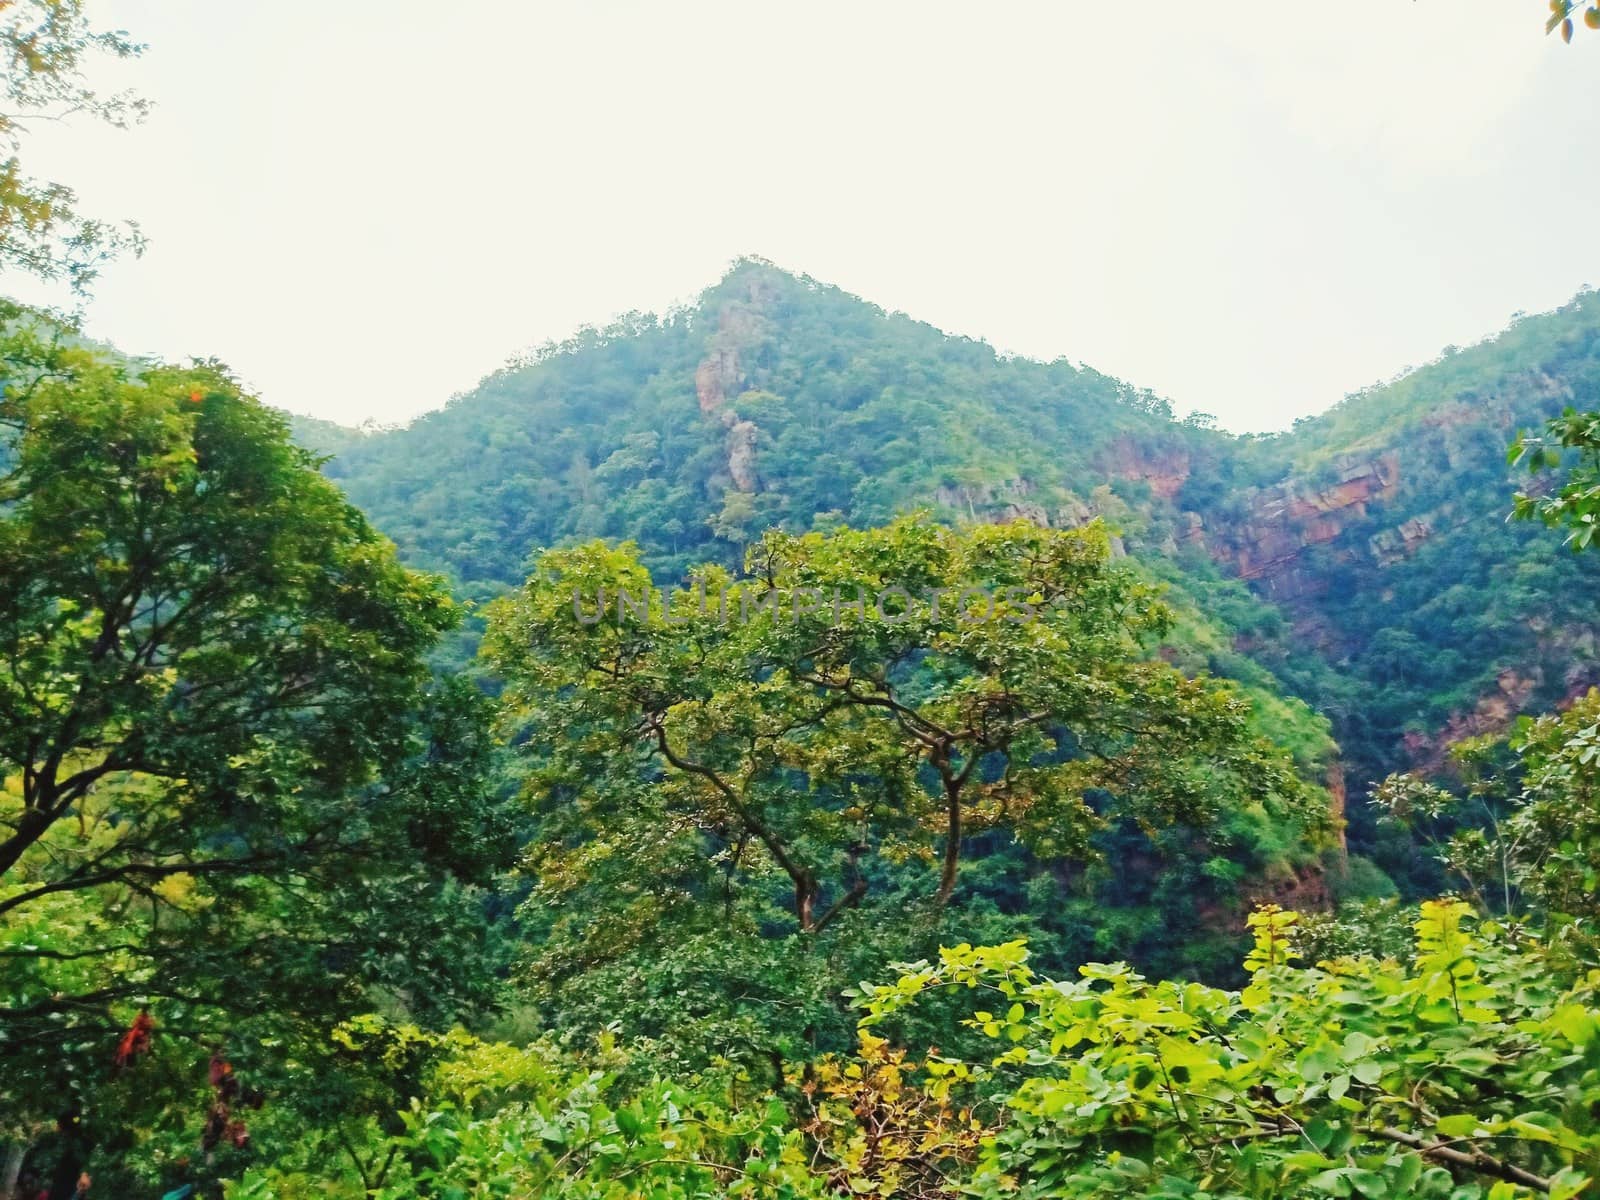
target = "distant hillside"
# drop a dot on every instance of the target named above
(324, 437)
(1383, 583)
(775, 400)
(1420, 615)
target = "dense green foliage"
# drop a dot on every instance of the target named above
(623, 433)
(232, 802)
(1462, 1060)
(1576, 504)
(1470, 1070)
(1433, 616)
(1523, 834)
(794, 768)
(826, 647)
(254, 934)
(1467, 1068)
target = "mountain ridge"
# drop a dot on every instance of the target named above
(581, 338)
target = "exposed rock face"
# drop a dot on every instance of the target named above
(1010, 500)
(1494, 712)
(1303, 890)
(1497, 708)
(717, 376)
(1392, 545)
(1165, 470)
(742, 453)
(1280, 522)
(1360, 481)
(740, 327)
(1336, 802)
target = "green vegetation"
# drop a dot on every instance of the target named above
(1401, 606)
(298, 900)
(785, 651)
(233, 806)
(782, 780)
(624, 433)
(837, 761)
(1467, 1070)
(1576, 505)
(1524, 834)
(1464, 1069)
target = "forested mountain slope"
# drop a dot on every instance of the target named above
(774, 400)
(1384, 584)
(1420, 614)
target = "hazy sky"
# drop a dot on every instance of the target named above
(1253, 209)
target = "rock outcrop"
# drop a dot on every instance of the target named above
(1165, 469)
(741, 326)
(1390, 546)
(717, 377)
(996, 503)
(1337, 799)
(1281, 522)
(1513, 689)
(1304, 889)
(742, 452)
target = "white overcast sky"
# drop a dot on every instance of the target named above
(1253, 209)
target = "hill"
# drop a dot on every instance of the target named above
(1361, 562)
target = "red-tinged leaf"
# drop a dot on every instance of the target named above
(136, 1040)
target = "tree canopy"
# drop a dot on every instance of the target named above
(840, 725)
(231, 797)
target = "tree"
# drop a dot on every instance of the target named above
(488, 1118)
(1461, 1068)
(46, 45)
(186, 599)
(836, 729)
(1467, 1072)
(231, 800)
(1524, 840)
(1575, 506)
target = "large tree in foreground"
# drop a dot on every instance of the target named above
(813, 749)
(183, 597)
(231, 799)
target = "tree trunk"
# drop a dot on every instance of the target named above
(31, 826)
(952, 843)
(74, 1149)
(15, 1156)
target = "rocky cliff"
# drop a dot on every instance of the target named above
(1267, 541)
